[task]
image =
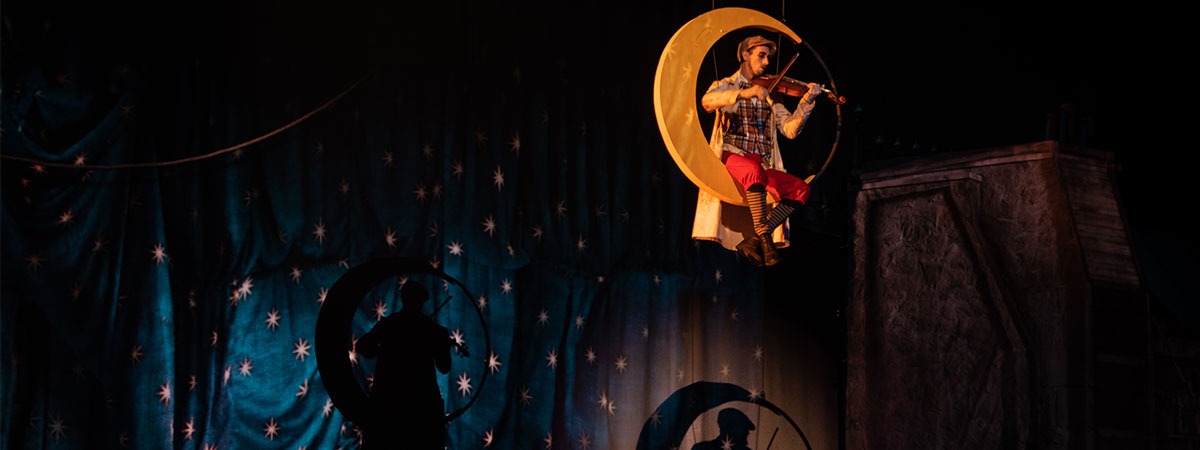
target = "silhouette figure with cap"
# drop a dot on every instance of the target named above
(405, 402)
(734, 432)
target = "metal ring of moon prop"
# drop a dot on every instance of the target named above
(689, 402)
(837, 135)
(675, 96)
(332, 338)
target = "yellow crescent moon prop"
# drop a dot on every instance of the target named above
(675, 95)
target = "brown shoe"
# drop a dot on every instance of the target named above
(752, 250)
(770, 256)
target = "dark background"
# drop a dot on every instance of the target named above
(918, 79)
(936, 78)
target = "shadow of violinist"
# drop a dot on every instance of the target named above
(734, 432)
(405, 402)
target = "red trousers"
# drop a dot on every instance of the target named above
(748, 170)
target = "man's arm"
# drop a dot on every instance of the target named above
(792, 123)
(725, 94)
(441, 358)
(719, 99)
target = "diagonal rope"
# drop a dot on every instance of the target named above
(196, 157)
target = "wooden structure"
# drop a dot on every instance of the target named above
(996, 304)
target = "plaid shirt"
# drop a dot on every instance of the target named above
(750, 129)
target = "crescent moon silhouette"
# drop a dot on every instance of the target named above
(685, 405)
(332, 338)
(675, 95)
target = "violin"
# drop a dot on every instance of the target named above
(778, 84)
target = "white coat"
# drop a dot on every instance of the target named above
(726, 223)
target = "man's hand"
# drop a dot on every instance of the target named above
(753, 91)
(815, 90)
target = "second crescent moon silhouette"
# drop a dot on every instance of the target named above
(333, 342)
(675, 95)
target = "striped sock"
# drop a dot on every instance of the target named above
(779, 214)
(757, 201)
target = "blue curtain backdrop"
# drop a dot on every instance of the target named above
(163, 269)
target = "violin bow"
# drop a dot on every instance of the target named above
(439, 307)
(779, 77)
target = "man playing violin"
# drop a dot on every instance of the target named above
(744, 137)
(407, 410)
